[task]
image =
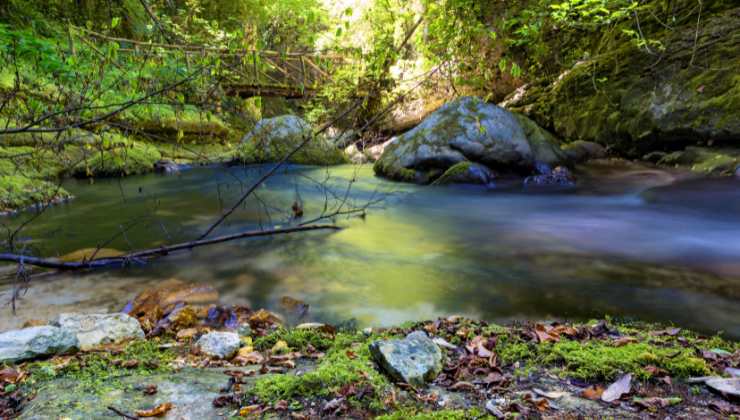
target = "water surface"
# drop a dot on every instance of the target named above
(628, 241)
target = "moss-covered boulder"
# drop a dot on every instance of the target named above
(469, 130)
(116, 157)
(705, 160)
(274, 138)
(466, 173)
(171, 124)
(19, 191)
(682, 89)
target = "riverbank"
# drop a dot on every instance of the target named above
(185, 369)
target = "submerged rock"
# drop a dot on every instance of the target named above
(219, 345)
(559, 176)
(93, 330)
(166, 166)
(468, 129)
(29, 343)
(274, 138)
(466, 173)
(414, 360)
(582, 151)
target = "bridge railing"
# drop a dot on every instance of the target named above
(242, 72)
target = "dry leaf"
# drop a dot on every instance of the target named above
(618, 389)
(250, 409)
(157, 411)
(593, 392)
(623, 341)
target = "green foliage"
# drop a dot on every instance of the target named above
(20, 191)
(117, 157)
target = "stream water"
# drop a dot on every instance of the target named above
(628, 241)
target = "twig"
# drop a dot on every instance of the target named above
(122, 414)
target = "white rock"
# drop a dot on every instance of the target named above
(219, 345)
(95, 329)
(29, 343)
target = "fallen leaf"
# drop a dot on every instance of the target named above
(150, 389)
(544, 334)
(157, 411)
(252, 358)
(623, 341)
(186, 334)
(616, 390)
(462, 386)
(264, 317)
(553, 395)
(248, 410)
(593, 392)
(11, 376)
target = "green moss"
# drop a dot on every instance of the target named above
(100, 371)
(185, 124)
(347, 362)
(595, 360)
(297, 339)
(316, 152)
(116, 157)
(705, 160)
(411, 414)
(454, 172)
(19, 191)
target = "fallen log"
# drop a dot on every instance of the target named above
(141, 256)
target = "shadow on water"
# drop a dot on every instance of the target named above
(629, 241)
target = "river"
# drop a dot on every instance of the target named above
(629, 242)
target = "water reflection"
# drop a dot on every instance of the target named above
(628, 242)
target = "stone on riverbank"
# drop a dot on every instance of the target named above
(93, 330)
(414, 360)
(274, 138)
(29, 343)
(219, 345)
(729, 387)
(468, 129)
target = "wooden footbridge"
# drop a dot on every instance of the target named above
(245, 73)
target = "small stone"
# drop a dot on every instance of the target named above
(414, 360)
(367, 331)
(219, 345)
(29, 343)
(735, 373)
(95, 329)
(492, 407)
(725, 386)
(244, 330)
(310, 326)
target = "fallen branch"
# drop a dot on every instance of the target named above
(140, 256)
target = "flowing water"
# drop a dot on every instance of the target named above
(628, 241)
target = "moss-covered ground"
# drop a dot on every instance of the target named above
(322, 372)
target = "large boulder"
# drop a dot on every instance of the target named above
(638, 99)
(29, 343)
(414, 360)
(274, 138)
(92, 330)
(468, 130)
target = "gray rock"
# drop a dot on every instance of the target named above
(219, 345)
(244, 330)
(582, 151)
(355, 155)
(166, 166)
(414, 359)
(466, 173)
(274, 138)
(29, 343)
(375, 152)
(725, 386)
(93, 330)
(469, 129)
(559, 176)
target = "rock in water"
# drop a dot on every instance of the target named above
(219, 345)
(95, 329)
(414, 359)
(274, 138)
(468, 129)
(29, 343)
(466, 173)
